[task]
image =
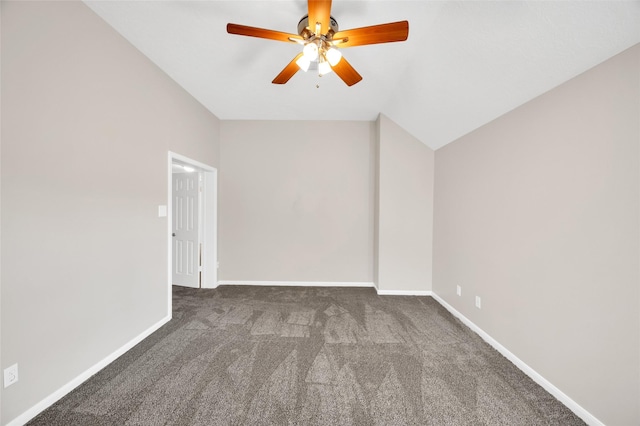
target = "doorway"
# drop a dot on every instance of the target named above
(192, 223)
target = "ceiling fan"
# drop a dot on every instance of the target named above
(320, 37)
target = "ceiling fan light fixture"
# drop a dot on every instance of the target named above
(310, 51)
(333, 56)
(303, 63)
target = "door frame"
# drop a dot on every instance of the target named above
(208, 222)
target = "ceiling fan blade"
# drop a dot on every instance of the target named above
(261, 33)
(319, 11)
(346, 72)
(383, 33)
(288, 71)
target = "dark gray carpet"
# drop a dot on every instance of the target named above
(302, 356)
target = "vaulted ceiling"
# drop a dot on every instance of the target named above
(465, 62)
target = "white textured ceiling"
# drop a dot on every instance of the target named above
(465, 62)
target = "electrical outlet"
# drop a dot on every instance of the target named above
(459, 290)
(10, 375)
(478, 302)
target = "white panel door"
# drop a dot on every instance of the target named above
(186, 259)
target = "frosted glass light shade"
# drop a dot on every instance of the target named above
(333, 56)
(310, 51)
(324, 68)
(303, 63)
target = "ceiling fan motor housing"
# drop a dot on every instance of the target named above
(303, 26)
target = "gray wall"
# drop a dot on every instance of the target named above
(404, 210)
(296, 201)
(86, 125)
(296, 205)
(537, 213)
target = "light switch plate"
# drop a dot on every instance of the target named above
(162, 211)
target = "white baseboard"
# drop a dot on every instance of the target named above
(404, 292)
(64, 390)
(300, 283)
(588, 418)
(329, 284)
